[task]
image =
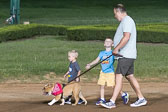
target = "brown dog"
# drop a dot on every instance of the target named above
(71, 88)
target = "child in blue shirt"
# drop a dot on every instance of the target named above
(107, 75)
(73, 72)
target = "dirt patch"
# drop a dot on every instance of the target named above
(29, 98)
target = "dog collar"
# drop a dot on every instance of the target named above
(57, 89)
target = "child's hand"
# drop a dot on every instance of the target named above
(77, 79)
(65, 75)
(87, 66)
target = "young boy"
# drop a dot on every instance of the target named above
(74, 71)
(107, 71)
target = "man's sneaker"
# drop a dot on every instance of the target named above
(80, 101)
(139, 103)
(100, 101)
(108, 105)
(125, 98)
(68, 101)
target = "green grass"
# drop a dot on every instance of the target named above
(42, 55)
(86, 12)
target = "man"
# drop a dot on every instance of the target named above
(125, 44)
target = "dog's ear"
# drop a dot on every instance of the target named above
(51, 85)
(46, 85)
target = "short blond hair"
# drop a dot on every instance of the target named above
(109, 38)
(73, 53)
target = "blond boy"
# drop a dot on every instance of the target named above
(73, 72)
(107, 75)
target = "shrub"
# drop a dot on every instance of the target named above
(90, 32)
(154, 33)
(15, 32)
(145, 33)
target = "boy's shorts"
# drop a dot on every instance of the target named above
(108, 78)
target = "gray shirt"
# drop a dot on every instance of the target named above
(127, 25)
(73, 71)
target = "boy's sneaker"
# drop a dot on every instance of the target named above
(125, 98)
(68, 101)
(108, 105)
(139, 102)
(100, 101)
(80, 101)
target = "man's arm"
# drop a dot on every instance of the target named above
(123, 42)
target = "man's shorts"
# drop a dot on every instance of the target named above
(108, 78)
(125, 66)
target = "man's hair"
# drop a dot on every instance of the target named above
(74, 53)
(120, 7)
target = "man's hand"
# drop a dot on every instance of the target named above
(115, 51)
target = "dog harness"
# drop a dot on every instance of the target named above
(57, 89)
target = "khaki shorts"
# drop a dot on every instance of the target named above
(108, 78)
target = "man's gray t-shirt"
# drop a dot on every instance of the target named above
(73, 70)
(127, 25)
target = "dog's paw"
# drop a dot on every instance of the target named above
(73, 104)
(86, 103)
(62, 104)
(50, 104)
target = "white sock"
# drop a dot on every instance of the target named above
(102, 98)
(141, 98)
(112, 101)
(123, 94)
(52, 102)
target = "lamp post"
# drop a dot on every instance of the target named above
(14, 12)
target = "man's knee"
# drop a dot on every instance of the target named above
(118, 75)
(129, 77)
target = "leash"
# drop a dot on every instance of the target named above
(118, 55)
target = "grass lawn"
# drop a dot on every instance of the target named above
(42, 55)
(86, 12)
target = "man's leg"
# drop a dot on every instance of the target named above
(118, 87)
(135, 85)
(141, 101)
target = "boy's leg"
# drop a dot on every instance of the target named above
(117, 90)
(102, 92)
(101, 82)
(102, 99)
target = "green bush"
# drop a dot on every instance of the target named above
(154, 33)
(15, 32)
(145, 33)
(81, 33)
